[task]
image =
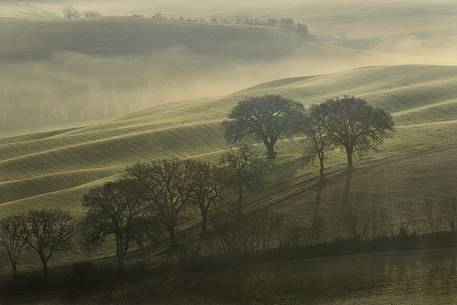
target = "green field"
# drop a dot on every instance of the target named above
(56, 168)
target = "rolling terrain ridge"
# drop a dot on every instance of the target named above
(56, 168)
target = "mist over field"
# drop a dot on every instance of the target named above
(72, 71)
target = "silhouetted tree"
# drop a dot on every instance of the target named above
(208, 189)
(244, 171)
(266, 118)
(357, 126)
(13, 238)
(117, 209)
(48, 231)
(168, 185)
(316, 130)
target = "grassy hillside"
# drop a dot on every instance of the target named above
(56, 168)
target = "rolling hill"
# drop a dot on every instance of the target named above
(418, 27)
(56, 168)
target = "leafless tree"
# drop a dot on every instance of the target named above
(168, 185)
(317, 228)
(48, 231)
(428, 209)
(117, 209)
(244, 170)
(13, 238)
(355, 222)
(319, 141)
(208, 189)
(408, 223)
(449, 213)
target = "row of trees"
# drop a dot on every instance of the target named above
(69, 12)
(287, 23)
(151, 200)
(148, 202)
(349, 123)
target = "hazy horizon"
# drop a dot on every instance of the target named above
(70, 63)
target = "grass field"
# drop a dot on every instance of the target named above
(56, 168)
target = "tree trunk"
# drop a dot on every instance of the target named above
(204, 224)
(44, 261)
(14, 269)
(173, 244)
(119, 258)
(271, 154)
(349, 153)
(45, 268)
(13, 263)
(322, 167)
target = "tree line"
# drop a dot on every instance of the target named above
(152, 200)
(347, 123)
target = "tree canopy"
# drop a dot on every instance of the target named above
(13, 238)
(266, 118)
(168, 185)
(356, 126)
(48, 231)
(319, 141)
(208, 189)
(117, 209)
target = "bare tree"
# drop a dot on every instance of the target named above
(449, 213)
(408, 223)
(357, 126)
(428, 209)
(317, 228)
(168, 185)
(48, 231)
(13, 239)
(208, 189)
(387, 224)
(267, 118)
(244, 171)
(117, 209)
(356, 223)
(316, 129)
